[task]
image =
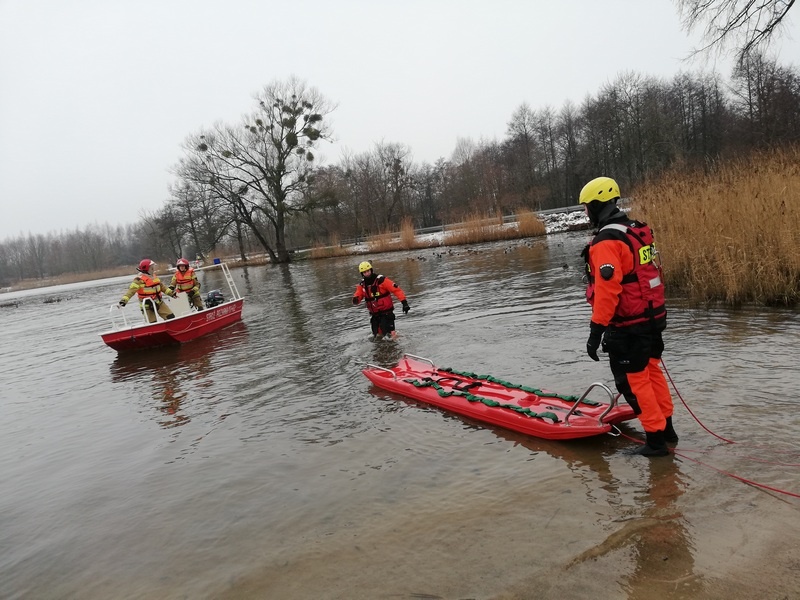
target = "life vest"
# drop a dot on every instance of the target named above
(642, 297)
(151, 289)
(377, 300)
(184, 282)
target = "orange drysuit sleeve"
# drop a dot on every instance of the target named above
(617, 255)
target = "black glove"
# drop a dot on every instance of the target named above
(593, 343)
(406, 307)
(170, 291)
(355, 300)
(122, 303)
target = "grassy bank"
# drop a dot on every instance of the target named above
(729, 235)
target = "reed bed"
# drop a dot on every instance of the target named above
(529, 224)
(729, 235)
(334, 248)
(405, 239)
(478, 228)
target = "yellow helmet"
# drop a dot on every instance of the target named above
(364, 266)
(602, 189)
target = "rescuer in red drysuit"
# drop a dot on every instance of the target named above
(377, 291)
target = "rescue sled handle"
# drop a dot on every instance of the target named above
(393, 374)
(611, 404)
(389, 371)
(423, 359)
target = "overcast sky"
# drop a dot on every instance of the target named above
(96, 96)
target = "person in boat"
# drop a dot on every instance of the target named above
(150, 289)
(626, 292)
(377, 291)
(185, 280)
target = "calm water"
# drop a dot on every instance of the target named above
(258, 462)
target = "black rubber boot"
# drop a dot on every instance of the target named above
(654, 444)
(669, 433)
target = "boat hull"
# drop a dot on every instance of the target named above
(497, 404)
(174, 331)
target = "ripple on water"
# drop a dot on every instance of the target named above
(260, 453)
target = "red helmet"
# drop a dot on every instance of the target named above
(181, 262)
(146, 265)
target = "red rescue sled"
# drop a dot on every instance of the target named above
(187, 325)
(487, 399)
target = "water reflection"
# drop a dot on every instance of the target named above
(292, 473)
(587, 458)
(297, 317)
(166, 377)
(663, 546)
(386, 353)
(655, 536)
(248, 285)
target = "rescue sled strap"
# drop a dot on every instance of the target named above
(428, 382)
(516, 386)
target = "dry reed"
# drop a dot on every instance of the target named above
(405, 239)
(478, 228)
(729, 235)
(529, 224)
(334, 248)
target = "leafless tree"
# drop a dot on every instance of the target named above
(205, 220)
(767, 100)
(747, 25)
(524, 156)
(264, 166)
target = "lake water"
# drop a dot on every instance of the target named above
(259, 462)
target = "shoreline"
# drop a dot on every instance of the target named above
(554, 223)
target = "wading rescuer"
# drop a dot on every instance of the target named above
(626, 292)
(185, 280)
(377, 291)
(148, 287)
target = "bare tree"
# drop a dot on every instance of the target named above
(748, 25)
(264, 166)
(767, 97)
(521, 149)
(427, 194)
(395, 164)
(567, 142)
(205, 219)
(36, 253)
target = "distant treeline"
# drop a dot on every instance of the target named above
(254, 186)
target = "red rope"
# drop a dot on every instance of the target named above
(689, 409)
(740, 478)
(729, 474)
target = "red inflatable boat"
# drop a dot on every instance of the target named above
(490, 400)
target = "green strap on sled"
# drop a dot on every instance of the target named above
(516, 386)
(473, 398)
